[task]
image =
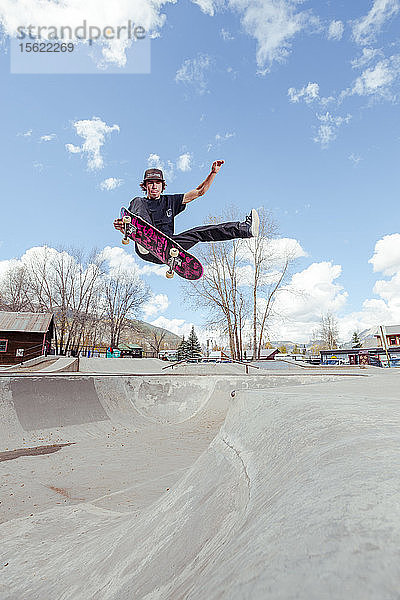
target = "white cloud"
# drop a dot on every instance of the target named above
(389, 291)
(168, 168)
(119, 260)
(318, 291)
(182, 328)
(275, 251)
(48, 138)
(73, 149)
(355, 158)
(367, 55)
(327, 131)
(386, 258)
(147, 268)
(366, 28)
(193, 73)
(111, 183)
(99, 13)
(377, 80)
(308, 93)
(311, 293)
(94, 132)
(207, 6)
(385, 309)
(273, 23)
(158, 303)
(153, 160)
(335, 31)
(220, 138)
(184, 162)
(225, 136)
(178, 326)
(226, 35)
(26, 134)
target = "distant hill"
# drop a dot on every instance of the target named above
(146, 335)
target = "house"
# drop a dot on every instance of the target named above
(391, 335)
(24, 335)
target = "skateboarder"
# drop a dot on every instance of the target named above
(160, 209)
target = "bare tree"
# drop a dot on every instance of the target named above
(124, 294)
(155, 339)
(241, 281)
(14, 293)
(328, 331)
(67, 284)
(64, 283)
(218, 291)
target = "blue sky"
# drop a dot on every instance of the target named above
(300, 99)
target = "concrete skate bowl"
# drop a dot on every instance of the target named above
(294, 497)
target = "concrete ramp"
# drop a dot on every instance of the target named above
(296, 496)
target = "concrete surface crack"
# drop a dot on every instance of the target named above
(241, 460)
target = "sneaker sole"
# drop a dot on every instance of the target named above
(255, 223)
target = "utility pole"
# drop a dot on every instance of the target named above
(384, 345)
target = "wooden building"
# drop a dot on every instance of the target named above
(131, 350)
(24, 335)
(391, 336)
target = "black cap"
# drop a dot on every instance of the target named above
(151, 174)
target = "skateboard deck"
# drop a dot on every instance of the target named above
(161, 246)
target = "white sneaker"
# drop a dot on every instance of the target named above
(251, 224)
(255, 223)
(141, 249)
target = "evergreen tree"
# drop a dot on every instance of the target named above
(183, 350)
(355, 341)
(193, 345)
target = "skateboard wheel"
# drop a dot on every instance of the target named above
(174, 252)
(169, 274)
(125, 241)
(126, 219)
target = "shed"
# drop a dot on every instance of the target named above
(24, 335)
(130, 350)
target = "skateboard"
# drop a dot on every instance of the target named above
(161, 246)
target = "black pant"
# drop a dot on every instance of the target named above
(220, 232)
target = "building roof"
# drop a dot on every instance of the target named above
(25, 321)
(388, 330)
(123, 346)
(268, 351)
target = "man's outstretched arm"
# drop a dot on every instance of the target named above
(203, 187)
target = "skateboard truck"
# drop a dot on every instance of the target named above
(174, 252)
(126, 220)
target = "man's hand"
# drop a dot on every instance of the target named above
(217, 164)
(118, 224)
